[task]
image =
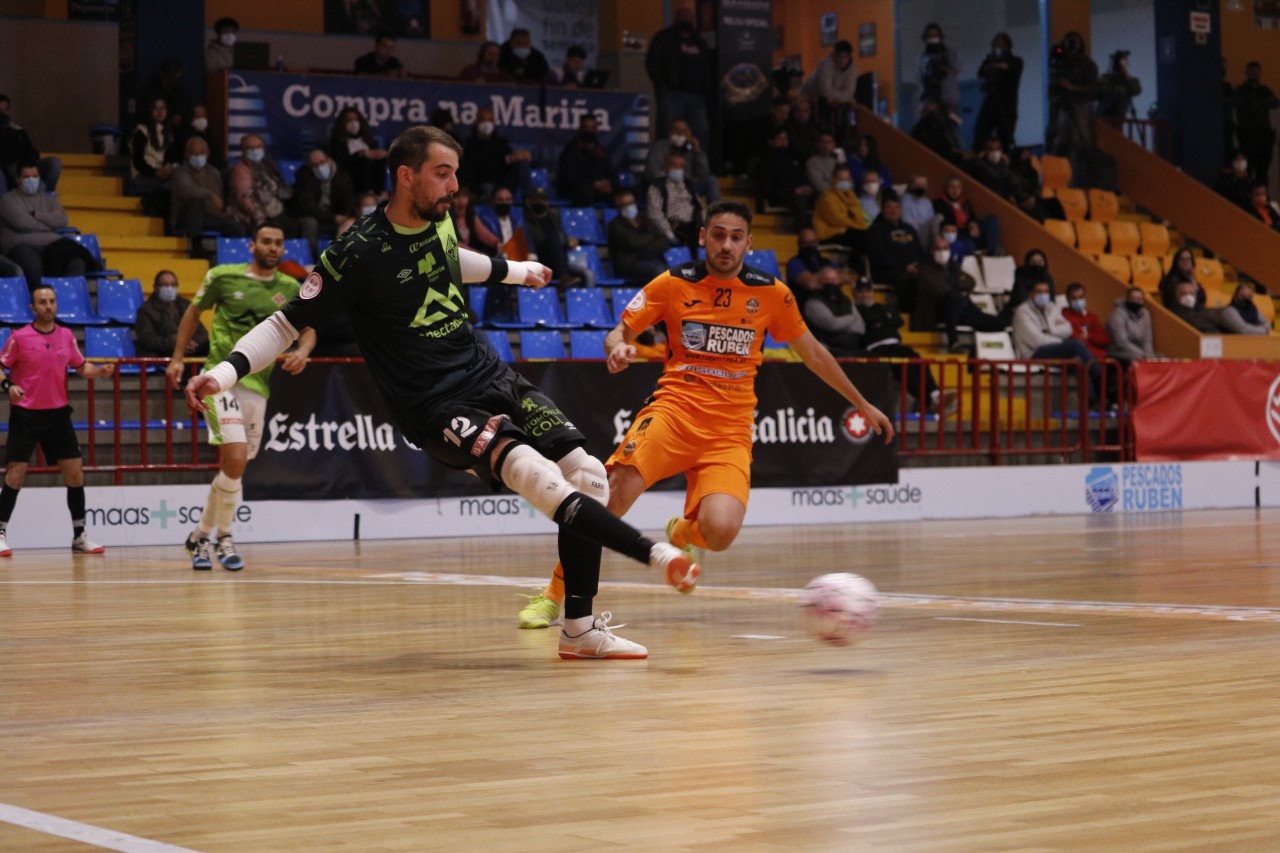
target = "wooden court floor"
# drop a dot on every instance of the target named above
(1099, 683)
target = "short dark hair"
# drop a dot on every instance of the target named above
(412, 148)
(48, 287)
(5, 99)
(156, 281)
(734, 208)
(1073, 287)
(384, 34)
(1253, 64)
(843, 46)
(889, 195)
(520, 31)
(575, 50)
(225, 24)
(258, 229)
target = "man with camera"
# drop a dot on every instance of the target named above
(1073, 83)
(1117, 89)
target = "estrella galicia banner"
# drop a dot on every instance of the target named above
(295, 112)
(329, 435)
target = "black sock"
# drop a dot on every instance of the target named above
(591, 520)
(8, 500)
(580, 559)
(75, 503)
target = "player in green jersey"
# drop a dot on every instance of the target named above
(241, 296)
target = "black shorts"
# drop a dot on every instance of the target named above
(462, 432)
(49, 428)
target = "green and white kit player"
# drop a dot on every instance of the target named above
(241, 296)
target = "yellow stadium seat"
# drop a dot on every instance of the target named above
(1117, 265)
(1061, 229)
(1055, 171)
(1103, 205)
(1074, 202)
(1091, 237)
(1209, 273)
(1146, 271)
(1124, 238)
(1166, 262)
(1266, 308)
(1155, 238)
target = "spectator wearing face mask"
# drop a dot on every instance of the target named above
(939, 69)
(1086, 326)
(16, 148)
(1234, 181)
(895, 252)
(1034, 269)
(519, 58)
(1041, 331)
(585, 175)
(503, 219)
(866, 160)
(680, 140)
(636, 243)
(472, 233)
(548, 243)
(488, 161)
(1129, 328)
(198, 128)
(353, 148)
(1242, 317)
(808, 260)
(881, 338)
(991, 169)
(1188, 307)
(829, 314)
(959, 245)
(257, 191)
(917, 209)
(29, 223)
(220, 54)
(673, 205)
(954, 207)
(366, 204)
(156, 328)
(198, 205)
(322, 196)
(151, 157)
(1001, 76)
(1183, 269)
(869, 194)
(943, 298)
(486, 69)
(839, 216)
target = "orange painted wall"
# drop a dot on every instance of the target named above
(800, 34)
(1242, 43)
(295, 16)
(1066, 16)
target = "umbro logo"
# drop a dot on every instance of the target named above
(404, 275)
(692, 302)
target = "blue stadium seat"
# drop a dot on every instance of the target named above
(677, 255)
(589, 257)
(583, 224)
(587, 343)
(74, 307)
(621, 296)
(764, 259)
(609, 214)
(476, 295)
(15, 301)
(540, 177)
(234, 250)
(626, 180)
(119, 298)
(111, 342)
(289, 168)
(541, 308)
(500, 342)
(90, 243)
(585, 306)
(299, 250)
(5, 332)
(541, 343)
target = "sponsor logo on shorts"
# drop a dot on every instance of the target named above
(486, 435)
(856, 427)
(311, 286)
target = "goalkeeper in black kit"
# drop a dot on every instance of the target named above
(397, 275)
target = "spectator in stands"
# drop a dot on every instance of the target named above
(895, 252)
(866, 160)
(802, 130)
(1188, 306)
(322, 199)
(636, 243)
(1040, 331)
(486, 69)
(572, 73)
(1086, 326)
(257, 191)
(1129, 328)
(1183, 269)
(751, 141)
(381, 61)
(1242, 316)
(838, 214)
(198, 128)
(1117, 89)
(151, 157)
(939, 69)
(548, 243)
(955, 208)
(16, 149)
(29, 223)
(808, 261)
(366, 205)
(1262, 207)
(992, 170)
(488, 160)
(959, 245)
(673, 205)
(818, 169)
(936, 131)
(1038, 208)
(1254, 102)
(442, 117)
(220, 54)
(168, 87)
(943, 298)
(156, 328)
(829, 314)
(504, 219)
(585, 175)
(917, 209)
(834, 82)
(472, 233)
(881, 339)
(519, 58)
(1001, 76)
(869, 194)
(1034, 269)
(353, 148)
(782, 181)
(198, 205)
(696, 166)
(1234, 182)
(1073, 83)
(679, 66)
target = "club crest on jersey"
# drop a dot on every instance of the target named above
(637, 301)
(753, 305)
(311, 286)
(279, 300)
(451, 246)
(716, 339)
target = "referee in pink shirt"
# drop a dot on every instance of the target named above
(36, 358)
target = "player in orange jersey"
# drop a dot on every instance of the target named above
(699, 419)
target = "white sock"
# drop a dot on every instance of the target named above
(228, 489)
(209, 518)
(578, 627)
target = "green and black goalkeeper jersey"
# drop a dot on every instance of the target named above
(402, 291)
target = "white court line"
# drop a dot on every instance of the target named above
(1007, 622)
(107, 839)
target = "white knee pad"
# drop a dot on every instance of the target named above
(586, 474)
(535, 478)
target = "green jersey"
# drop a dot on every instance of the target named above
(240, 302)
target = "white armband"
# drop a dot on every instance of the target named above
(260, 346)
(518, 271)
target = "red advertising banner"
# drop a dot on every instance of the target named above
(1206, 410)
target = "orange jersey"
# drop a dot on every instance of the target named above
(715, 332)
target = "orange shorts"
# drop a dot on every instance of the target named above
(661, 444)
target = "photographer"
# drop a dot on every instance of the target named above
(1073, 83)
(939, 70)
(1117, 89)
(1001, 75)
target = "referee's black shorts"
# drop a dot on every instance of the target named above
(49, 428)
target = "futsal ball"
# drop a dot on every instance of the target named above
(839, 608)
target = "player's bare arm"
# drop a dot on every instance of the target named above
(818, 358)
(296, 360)
(260, 346)
(186, 331)
(619, 347)
(90, 370)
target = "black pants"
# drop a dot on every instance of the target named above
(62, 257)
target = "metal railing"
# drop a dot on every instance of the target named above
(1152, 134)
